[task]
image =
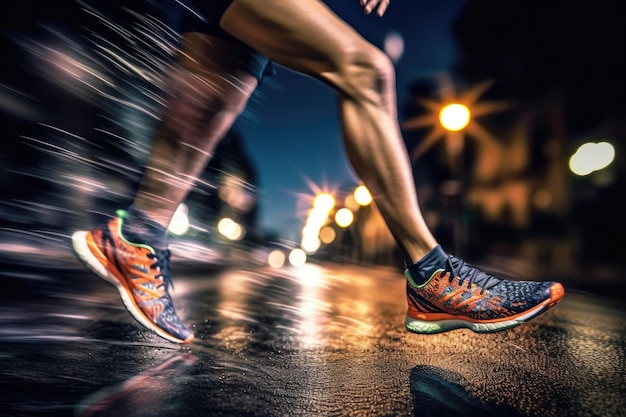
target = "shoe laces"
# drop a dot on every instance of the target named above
(161, 259)
(464, 271)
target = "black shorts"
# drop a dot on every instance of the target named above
(204, 16)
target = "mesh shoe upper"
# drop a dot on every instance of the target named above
(145, 273)
(461, 289)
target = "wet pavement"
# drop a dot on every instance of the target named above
(321, 340)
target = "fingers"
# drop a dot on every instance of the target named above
(379, 5)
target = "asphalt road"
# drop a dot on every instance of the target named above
(323, 340)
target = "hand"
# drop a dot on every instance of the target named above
(370, 5)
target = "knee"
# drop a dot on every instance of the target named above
(367, 74)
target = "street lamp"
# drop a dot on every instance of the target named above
(324, 201)
(454, 117)
(447, 117)
(449, 121)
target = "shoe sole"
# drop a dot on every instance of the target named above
(82, 250)
(439, 326)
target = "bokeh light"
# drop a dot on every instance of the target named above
(454, 117)
(394, 46)
(317, 217)
(327, 235)
(310, 244)
(350, 202)
(344, 217)
(324, 201)
(276, 258)
(362, 195)
(230, 229)
(591, 157)
(297, 257)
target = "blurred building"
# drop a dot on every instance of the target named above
(560, 68)
(78, 119)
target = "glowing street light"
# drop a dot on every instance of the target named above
(310, 244)
(230, 229)
(362, 195)
(454, 117)
(297, 257)
(447, 118)
(344, 217)
(591, 157)
(324, 201)
(327, 235)
(276, 258)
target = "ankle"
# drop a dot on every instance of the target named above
(422, 270)
(137, 227)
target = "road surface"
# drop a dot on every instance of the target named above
(322, 340)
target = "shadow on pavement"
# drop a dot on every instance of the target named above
(437, 392)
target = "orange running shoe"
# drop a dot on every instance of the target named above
(140, 273)
(462, 296)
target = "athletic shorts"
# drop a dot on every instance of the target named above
(204, 16)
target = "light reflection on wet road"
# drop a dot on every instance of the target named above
(317, 341)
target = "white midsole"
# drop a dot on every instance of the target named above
(438, 326)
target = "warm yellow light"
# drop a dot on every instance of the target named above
(297, 257)
(344, 217)
(350, 202)
(310, 276)
(230, 229)
(327, 235)
(362, 195)
(317, 217)
(276, 258)
(324, 201)
(310, 244)
(454, 117)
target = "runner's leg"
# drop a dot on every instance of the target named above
(307, 37)
(209, 90)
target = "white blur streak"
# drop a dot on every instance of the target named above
(120, 68)
(186, 6)
(143, 49)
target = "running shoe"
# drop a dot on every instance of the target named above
(462, 296)
(140, 273)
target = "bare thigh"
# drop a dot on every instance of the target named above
(303, 35)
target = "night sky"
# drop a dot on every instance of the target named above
(291, 125)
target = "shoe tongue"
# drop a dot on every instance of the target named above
(422, 270)
(455, 263)
(478, 277)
